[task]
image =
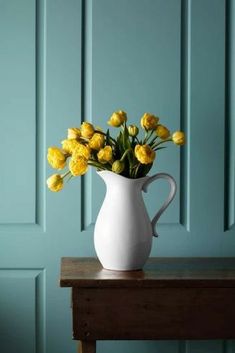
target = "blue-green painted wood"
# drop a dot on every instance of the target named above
(17, 111)
(124, 73)
(75, 60)
(216, 346)
(206, 112)
(20, 301)
(230, 113)
(230, 346)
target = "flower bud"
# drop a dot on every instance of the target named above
(56, 157)
(105, 155)
(178, 138)
(117, 118)
(78, 166)
(133, 130)
(69, 145)
(87, 130)
(144, 154)
(162, 132)
(97, 141)
(81, 151)
(149, 121)
(118, 166)
(55, 182)
(74, 133)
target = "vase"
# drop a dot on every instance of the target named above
(123, 231)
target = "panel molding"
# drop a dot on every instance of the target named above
(40, 113)
(185, 94)
(229, 177)
(86, 105)
(39, 277)
(182, 346)
(41, 31)
(87, 223)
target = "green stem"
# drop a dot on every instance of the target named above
(153, 141)
(65, 174)
(125, 154)
(163, 141)
(145, 137)
(123, 125)
(151, 133)
(98, 165)
(136, 171)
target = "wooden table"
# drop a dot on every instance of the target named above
(172, 298)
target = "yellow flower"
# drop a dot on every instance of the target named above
(81, 151)
(105, 155)
(133, 130)
(97, 141)
(162, 132)
(178, 138)
(78, 166)
(74, 133)
(55, 182)
(118, 166)
(56, 157)
(69, 145)
(149, 121)
(87, 130)
(144, 154)
(117, 118)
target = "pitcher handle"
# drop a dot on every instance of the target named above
(170, 197)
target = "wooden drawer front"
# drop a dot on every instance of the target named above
(153, 313)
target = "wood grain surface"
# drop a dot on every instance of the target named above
(158, 272)
(172, 298)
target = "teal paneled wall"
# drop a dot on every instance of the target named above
(65, 61)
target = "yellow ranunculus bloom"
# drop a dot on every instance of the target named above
(105, 155)
(162, 132)
(56, 157)
(74, 133)
(149, 121)
(81, 151)
(178, 138)
(69, 145)
(117, 118)
(97, 141)
(118, 166)
(133, 130)
(78, 166)
(144, 154)
(55, 182)
(87, 130)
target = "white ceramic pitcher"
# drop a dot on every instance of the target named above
(123, 231)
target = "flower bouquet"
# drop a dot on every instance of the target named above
(131, 154)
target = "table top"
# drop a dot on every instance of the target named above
(158, 272)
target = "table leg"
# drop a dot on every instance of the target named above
(87, 347)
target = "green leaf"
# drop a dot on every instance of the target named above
(108, 140)
(120, 143)
(144, 169)
(126, 141)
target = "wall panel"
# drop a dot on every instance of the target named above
(18, 115)
(22, 306)
(133, 74)
(22, 113)
(207, 116)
